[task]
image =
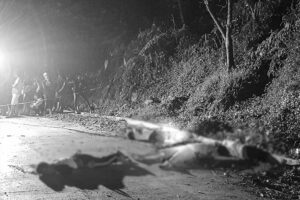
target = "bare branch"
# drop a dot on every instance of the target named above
(228, 41)
(215, 20)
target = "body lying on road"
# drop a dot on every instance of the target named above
(180, 149)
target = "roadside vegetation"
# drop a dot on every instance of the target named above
(176, 74)
(170, 74)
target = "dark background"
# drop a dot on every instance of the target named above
(79, 34)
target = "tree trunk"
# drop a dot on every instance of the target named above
(228, 41)
(226, 36)
(181, 13)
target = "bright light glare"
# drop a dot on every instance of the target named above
(4, 66)
(3, 60)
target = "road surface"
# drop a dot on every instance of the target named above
(24, 142)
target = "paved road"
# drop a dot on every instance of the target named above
(27, 141)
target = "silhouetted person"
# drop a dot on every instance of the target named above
(16, 93)
(79, 89)
(38, 100)
(28, 96)
(49, 93)
(60, 92)
(38, 105)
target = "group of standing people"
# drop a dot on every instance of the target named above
(45, 95)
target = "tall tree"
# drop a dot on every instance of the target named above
(226, 34)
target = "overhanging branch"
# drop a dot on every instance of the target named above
(215, 20)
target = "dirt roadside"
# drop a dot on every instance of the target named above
(43, 139)
(111, 126)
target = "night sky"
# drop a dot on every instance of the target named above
(40, 35)
(79, 34)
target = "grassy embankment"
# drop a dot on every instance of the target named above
(174, 76)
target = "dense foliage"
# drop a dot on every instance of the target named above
(179, 75)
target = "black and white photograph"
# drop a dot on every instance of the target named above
(149, 99)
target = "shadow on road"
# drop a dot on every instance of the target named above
(110, 176)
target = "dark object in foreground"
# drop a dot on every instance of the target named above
(87, 172)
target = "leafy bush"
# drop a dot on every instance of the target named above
(194, 65)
